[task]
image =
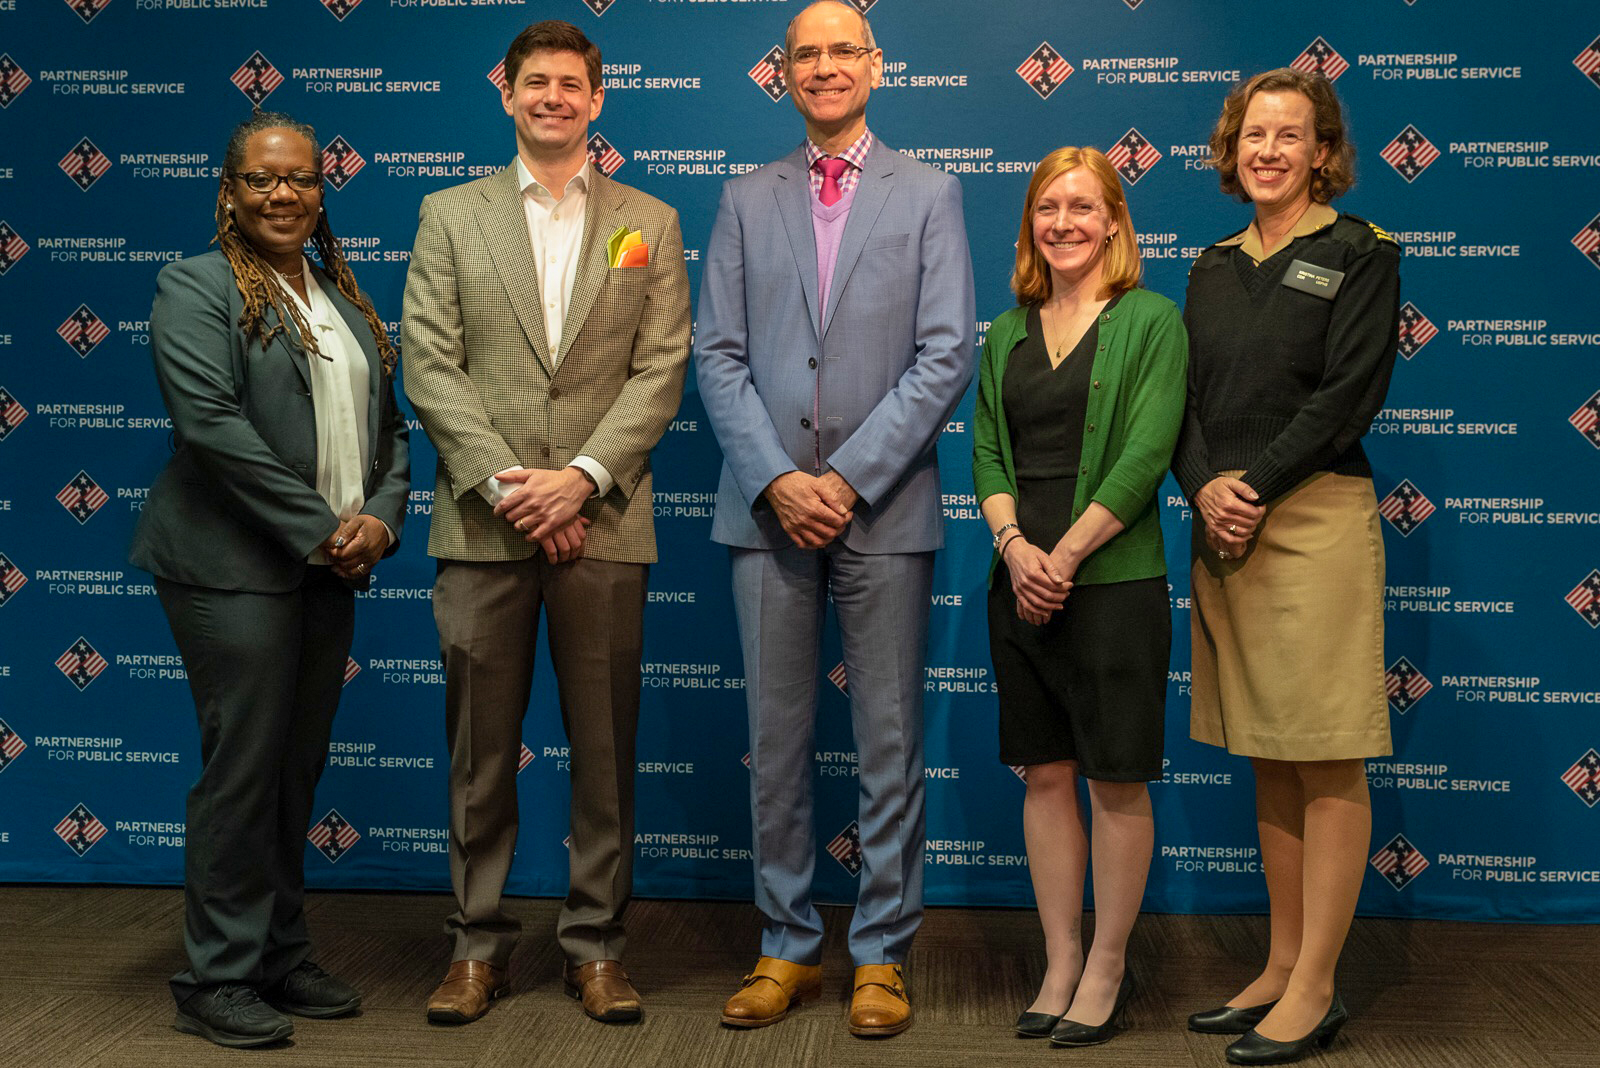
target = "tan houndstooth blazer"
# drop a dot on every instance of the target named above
(479, 372)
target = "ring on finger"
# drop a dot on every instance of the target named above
(1233, 528)
(1222, 554)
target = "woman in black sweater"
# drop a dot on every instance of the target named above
(1292, 332)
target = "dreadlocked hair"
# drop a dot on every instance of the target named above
(257, 282)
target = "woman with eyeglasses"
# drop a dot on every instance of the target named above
(1080, 396)
(287, 484)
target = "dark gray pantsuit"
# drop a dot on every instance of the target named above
(488, 618)
(265, 670)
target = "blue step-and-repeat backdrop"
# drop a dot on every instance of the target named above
(1479, 142)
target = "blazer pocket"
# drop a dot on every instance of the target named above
(887, 241)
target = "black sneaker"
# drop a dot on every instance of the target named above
(310, 991)
(232, 1015)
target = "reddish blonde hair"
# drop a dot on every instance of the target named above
(1030, 280)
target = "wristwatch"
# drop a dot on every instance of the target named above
(1002, 532)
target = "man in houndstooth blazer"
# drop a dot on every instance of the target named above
(544, 377)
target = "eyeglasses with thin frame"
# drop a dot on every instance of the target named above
(267, 181)
(809, 55)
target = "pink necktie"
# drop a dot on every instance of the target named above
(832, 169)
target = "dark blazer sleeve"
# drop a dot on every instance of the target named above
(390, 483)
(194, 341)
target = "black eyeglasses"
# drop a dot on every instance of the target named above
(267, 181)
(808, 55)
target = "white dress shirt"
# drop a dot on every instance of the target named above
(555, 234)
(340, 386)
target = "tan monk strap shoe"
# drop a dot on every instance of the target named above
(769, 990)
(465, 994)
(604, 990)
(879, 1006)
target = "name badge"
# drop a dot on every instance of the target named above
(1309, 278)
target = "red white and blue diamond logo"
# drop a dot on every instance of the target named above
(1133, 155)
(87, 9)
(1405, 685)
(1415, 330)
(13, 80)
(12, 413)
(1586, 420)
(1405, 508)
(81, 664)
(1583, 778)
(1045, 70)
(84, 164)
(83, 330)
(80, 830)
(1588, 61)
(11, 579)
(333, 836)
(1585, 599)
(846, 848)
(768, 73)
(82, 497)
(12, 247)
(497, 77)
(1320, 58)
(1399, 862)
(524, 758)
(340, 163)
(606, 159)
(256, 78)
(11, 745)
(1587, 241)
(599, 7)
(1410, 153)
(351, 670)
(340, 9)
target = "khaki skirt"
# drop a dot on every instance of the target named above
(1288, 639)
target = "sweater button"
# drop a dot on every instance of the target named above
(1097, 383)
(812, 363)
(1091, 428)
(1105, 318)
(805, 423)
(1084, 469)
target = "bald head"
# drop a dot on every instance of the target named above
(866, 27)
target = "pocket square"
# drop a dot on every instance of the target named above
(626, 247)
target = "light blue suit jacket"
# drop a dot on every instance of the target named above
(881, 374)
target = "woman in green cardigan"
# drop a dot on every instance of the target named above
(1080, 396)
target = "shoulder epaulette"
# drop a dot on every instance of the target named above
(1383, 235)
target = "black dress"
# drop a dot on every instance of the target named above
(1090, 685)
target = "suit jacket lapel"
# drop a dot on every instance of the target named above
(793, 192)
(602, 214)
(877, 179)
(505, 233)
(289, 340)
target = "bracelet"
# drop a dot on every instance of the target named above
(1002, 549)
(997, 534)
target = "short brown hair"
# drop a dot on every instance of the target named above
(1337, 173)
(1030, 280)
(553, 35)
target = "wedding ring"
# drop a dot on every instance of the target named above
(518, 524)
(1233, 528)
(1222, 554)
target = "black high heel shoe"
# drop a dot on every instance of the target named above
(1229, 1020)
(1072, 1033)
(1255, 1048)
(1037, 1024)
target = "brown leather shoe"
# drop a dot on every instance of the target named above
(465, 994)
(769, 990)
(879, 1006)
(604, 989)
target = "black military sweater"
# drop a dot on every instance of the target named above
(1284, 383)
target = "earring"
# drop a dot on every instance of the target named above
(229, 205)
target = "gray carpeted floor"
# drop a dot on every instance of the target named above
(83, 970)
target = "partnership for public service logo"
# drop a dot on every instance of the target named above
(80, 829)
(1587, 241)
(340, 9)
(1045, 70)
(83, 330)
(351, 670)
(1415, 330)
(1583, 778)
(1133, 155)
(846, 848)
(768, 74)
(11, 745)
(12, 247)
(1585, 599)
(256, 78)
(1405, 684)
(1586, 420)
(1399, 862)
(1410, 153)
(333, 836)
(599, 7)
(1405, 508)
(12, 413)
(82, 497)
(87, 9)
(1320, 58)
(84, 164)
(81, 663)
(11, 580)
(1588, 62)
(340, 163)
(605, 158)
(13, 80)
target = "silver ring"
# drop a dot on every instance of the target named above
(361, 567)
(1222, 554)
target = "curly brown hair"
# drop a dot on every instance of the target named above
(1337, 173)
(257, 282)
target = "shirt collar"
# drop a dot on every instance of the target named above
(525, 179)
(1315, 218)
(855, 155)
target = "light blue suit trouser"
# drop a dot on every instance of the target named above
(882, 605)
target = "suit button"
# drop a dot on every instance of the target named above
(544, 451)
(555, 392)
(806, 423)
(812, 363)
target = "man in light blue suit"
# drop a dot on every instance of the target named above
(835, 338)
